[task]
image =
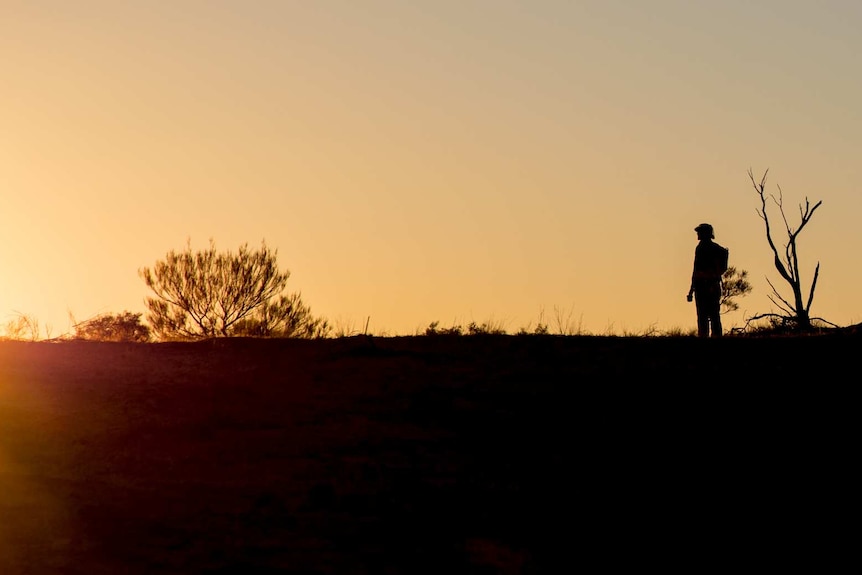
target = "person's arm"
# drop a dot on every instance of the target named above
(693, 272)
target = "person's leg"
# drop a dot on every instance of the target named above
(716, 323)
(702, 314)
(715, 312)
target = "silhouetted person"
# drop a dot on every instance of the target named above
(710, 262)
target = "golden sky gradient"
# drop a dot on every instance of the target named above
(452, 161)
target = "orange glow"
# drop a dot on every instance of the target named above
(29, 506)
(430, 161)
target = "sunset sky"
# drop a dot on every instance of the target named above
(429, 160)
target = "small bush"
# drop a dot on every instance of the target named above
(434, 329)
(126, 326)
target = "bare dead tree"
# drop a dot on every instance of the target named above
(798, 313)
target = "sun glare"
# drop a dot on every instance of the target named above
(29, 511)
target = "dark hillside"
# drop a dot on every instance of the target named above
(475, 454)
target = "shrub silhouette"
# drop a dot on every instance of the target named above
(126, 326)
(219, 294)
(734, 284)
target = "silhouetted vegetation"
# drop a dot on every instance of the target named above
(796, 315)
(488, 327)
(734, 284)
(287, 316)
(24, 327)
(220, 294)
(126, 326)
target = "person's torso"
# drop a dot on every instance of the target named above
(709, 260)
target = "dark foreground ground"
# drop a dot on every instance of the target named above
(429, 455)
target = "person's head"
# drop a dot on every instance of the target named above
(704, 232)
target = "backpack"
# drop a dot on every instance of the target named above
(723, 257)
